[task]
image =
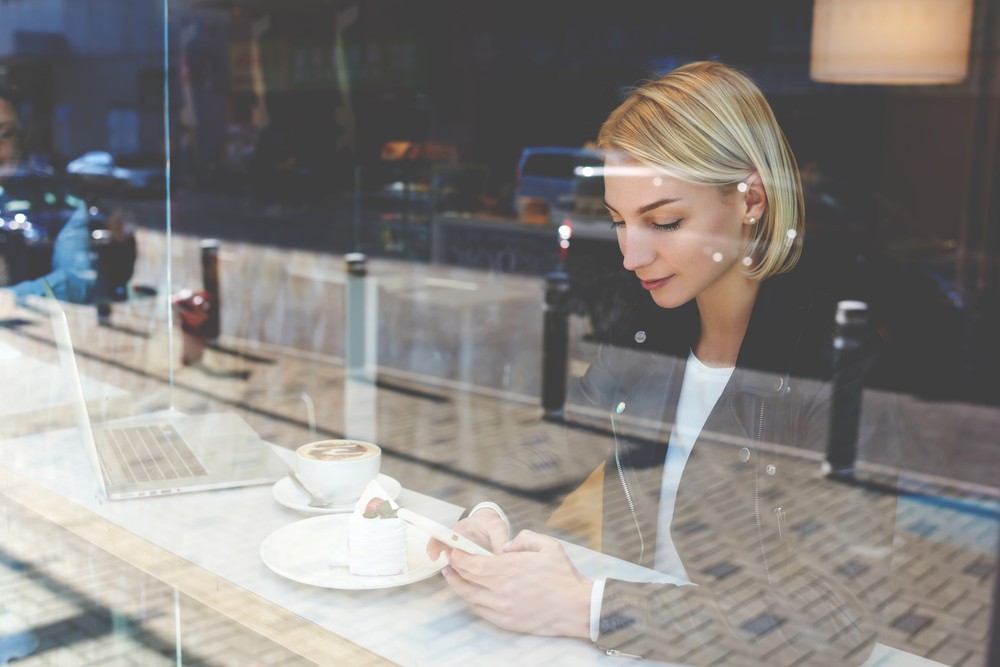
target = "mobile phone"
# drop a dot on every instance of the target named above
(441, 533)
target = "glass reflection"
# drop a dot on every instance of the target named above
(506, 348)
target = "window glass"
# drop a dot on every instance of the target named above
(533, 259)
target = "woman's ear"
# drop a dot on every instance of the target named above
(754, 199)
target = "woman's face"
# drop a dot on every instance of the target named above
(681, 240)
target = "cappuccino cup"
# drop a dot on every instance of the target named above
(338, 470)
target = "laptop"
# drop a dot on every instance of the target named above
(166, 452)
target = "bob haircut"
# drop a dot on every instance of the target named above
(708, 124)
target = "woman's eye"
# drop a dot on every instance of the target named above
(617, 224)
(667, 226)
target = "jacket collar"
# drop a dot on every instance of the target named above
(773, 338)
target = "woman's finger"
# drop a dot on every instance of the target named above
(529, 540)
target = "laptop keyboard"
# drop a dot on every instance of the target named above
(146, 453)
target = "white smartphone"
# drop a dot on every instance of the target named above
(441, 533)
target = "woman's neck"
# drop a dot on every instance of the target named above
(724, 315)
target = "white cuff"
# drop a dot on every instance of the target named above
(596, 597)
(496, 508)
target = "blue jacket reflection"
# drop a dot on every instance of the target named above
(73, 276)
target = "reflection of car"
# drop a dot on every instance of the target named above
(431, 173)
(425, 176)
(407, 185)
(136, 173)
(546, 179)
(34, 207)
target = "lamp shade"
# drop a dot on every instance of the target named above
(904, 42)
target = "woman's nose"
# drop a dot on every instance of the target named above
(636, 253)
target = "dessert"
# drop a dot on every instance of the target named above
(376, 540)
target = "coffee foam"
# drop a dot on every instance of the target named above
(338, 450)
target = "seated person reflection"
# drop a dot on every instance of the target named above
(704, 192)
(10, 129)
(74, 274)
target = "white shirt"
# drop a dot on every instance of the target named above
(700, 391)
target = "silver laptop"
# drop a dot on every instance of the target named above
(166, 452)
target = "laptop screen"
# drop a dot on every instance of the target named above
(71, 374)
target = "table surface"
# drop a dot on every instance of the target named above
(218, 534)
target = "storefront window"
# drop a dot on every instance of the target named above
(533, 255)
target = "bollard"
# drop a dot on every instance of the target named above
(360, 346)
(100, 244)
(555, 345)
(354, 339)
(210, 281)
(848, 384)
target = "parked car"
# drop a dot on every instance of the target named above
(104, 173)
(546, 178)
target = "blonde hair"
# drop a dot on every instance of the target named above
(708, 124)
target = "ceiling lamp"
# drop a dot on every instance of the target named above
(900, 42)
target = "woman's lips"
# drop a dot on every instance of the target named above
(655, 284)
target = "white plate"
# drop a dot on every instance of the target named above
(301, 552)
(287, 494)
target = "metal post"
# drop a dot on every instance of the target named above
(848, 384)
(210, 281)
(354, 338)
(360, 344)
(555, 345)
(100, 242)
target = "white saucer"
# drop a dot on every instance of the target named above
(301, 552)
(287, 494)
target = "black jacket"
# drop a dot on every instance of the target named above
(787, 562)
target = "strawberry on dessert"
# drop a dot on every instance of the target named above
(376, 540)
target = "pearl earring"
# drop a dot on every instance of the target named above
(751, 220)
(742, 187)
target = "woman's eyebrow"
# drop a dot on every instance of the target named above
(647, 207)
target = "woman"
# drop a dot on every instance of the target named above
(705, 196)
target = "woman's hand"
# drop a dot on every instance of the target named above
(485, 528)
(530, 586)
